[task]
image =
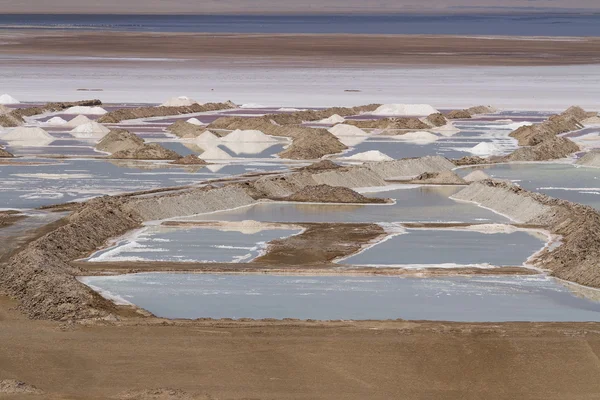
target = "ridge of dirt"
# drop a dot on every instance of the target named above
(322, 165)
(331, 194)
(439, 178)
(190, 159)
(15, 117)
(185, 130)
(15, 387)
(123, 144)
(5, 154)
(568, 120)
(122, 114)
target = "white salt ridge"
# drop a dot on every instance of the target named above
(475, 176)
(334, 119)
(405, 110)
(55, 121)
(215, 154)
(248, 136)
(31, 137)
(347, 130)
(78, 120)
(420, 137)
(511, 126)
(248, 147)
(372, 155)
(484, 149)
(179, 102)
(194, 121)
(8, 99)
(91, 129)
(446, 130)
(253, 105)
(290, 109)
(86, 110)
(592, 121)
(207, 137)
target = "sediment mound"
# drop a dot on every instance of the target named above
(439, 178)
(85, 110)
(347, 130)
(551, 149)
(119, 140)
(78, 120)
(410, 167)
(160, 394)
(405, 110)
(576, 257)
(436, 120)
(458, 114)
(476, 176)
(15, 387)
(4, 110)
(470, 160)
(331, 194)
(15, 117)
(371, 155)
(179, 102)
(56, 121)
(8, 99)
(190, 159)
(299, 117)
(5, 154)
(185, 130)
(311, 144)
(591, 121)
(481, 110)
(591, 159)
(567, 121)
(147, 151)
(388, 123)
(123, 114)
(323, 165)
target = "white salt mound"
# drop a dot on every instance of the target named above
(372, 155)
(179, 102)
(207, 137)
(194, 121)
(289, 109)
(405, 110)
(8, 99)
(512, 126)
(248, 147)
(214, 154)
(252, 105)
(86, 110)
(56, 121)
(446, 130)
(23, 136)
(78, 120)
(334, 119)
(91, 128)
(476, 176)
(484, 149)
(591, 121)
(248, 136)
(347, 130)
(420, 137)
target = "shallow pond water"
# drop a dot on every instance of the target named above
(530, 298)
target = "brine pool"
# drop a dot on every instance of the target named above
(475, 299)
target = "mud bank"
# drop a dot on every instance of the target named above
(123, 144)
(16, 117)
(124, 114)
(575, 258)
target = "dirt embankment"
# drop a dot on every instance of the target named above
(321, 243)
(591, 159)
(439, 178)
(550, 149)
(5, 154)
(436, 120)
(298, 117)
(15, 117)
(470, 112)
(123, 144)
(322, 165)
(576, 257)
(389, 123)
(123, 114)
(331, 194)
(190, 159)
(185, 130)
(569, 120)
(9, 217)
(470, 160)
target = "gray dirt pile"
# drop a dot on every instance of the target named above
(439, 178)
(331, 194)
(185, 130)
(591, 159)
(119, 140)
(389, 123)
(15, 387)
(40, 276)
(550, 149)
(123, 114)
(15, 117)
(436, 120)
(190, 159)
(5, 154)
(576, 258)
(322, 165)
(567, 121)
(458, 114)
(123, 144)
(470, 160)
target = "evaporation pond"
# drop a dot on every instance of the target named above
(431, 204)
(517, 298)
(192, 244)
(444, 247)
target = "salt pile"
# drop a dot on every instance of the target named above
(194, 121)
(86, 110)
(591, 121)
(8, 99)
(512, 126)
(289, 109)
(56, 121)
(405, 110)
(215, 154)
(484, 149)
(476, 176)
(446, 130)
(252, 105)
(420, 137)
(239, 148)
(179, 102)
(334, 119)
(248, 136)
(91, 129)
(347, 130)
(28, 137)
(372, 155)
(78, 120)
(207, 137)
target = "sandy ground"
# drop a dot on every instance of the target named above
(319, 50)
(303, 360)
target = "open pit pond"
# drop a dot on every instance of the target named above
(419, 248)
(564, 181)
(493, 299)
(414, 204)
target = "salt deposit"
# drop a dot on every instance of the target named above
(372, 155)
(334, 119)
(420, 137)
(347, 130)
(194, 121)
(252, 105)
(592, 121)
(289, 109)
(86, 110)
(511, 126)
(92, 128)
(8, 99)
(446, 130)
(56, 121)
(215, 154)
(78, 120)
(207, 137)
(405, 110)
(179, 102)
(484, 149)
(248, 147)
(476, 176)
(28, 137)
(248, 136)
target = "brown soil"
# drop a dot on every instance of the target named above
(148, 151)
(15, 387)
(439, 178)
(321, 243)
(185, 130)
(118, 140)
(5, 154)
(160, 394)
(550, 149)
(437, 119)
(568, 120)
(389, 123)
(123, 114)
(15, 117)
(476, 110)
(299, 117)
(470, 160)
(323, 165)
(332, 194)
(190, 159)
(7, 218)
(458, 114)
